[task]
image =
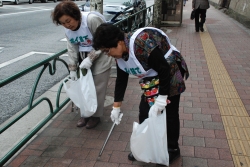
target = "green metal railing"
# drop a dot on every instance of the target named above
(31, 105)
(140, 19)
(137, 20)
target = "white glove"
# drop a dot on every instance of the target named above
(73, 75)
(86, 63)
(116, 115)
(159, 105)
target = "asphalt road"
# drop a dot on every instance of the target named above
(27, 35)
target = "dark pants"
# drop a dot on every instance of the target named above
(173, 121)
(200, 14)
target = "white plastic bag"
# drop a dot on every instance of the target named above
(148, 142)
(82, 92)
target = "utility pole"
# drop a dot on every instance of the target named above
(96, 5)
(99, 4)
(92, 5)
(157, 13)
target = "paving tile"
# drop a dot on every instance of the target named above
(18, 161)
(202, 117)
(193, 162)
(128, 165)
(213, 125)
(105, 164)
(210, 111)
(67, 116)
(192, 110)
(74, 142)
(114, 135)
(56, 123)
(76, 153)
(58, 162)
(82, 163)
(216, 118)
(186, 131)
(201, 105)
(32, 161)
(186, 116)
(220, 134)
(55, 151)
(193, 124)
(93, 143)
(120, 157)
(206, 153)
(36, 150)
(210, 133)
(52, 131)
(54, 140)
(116, 145)
(193, 141)
(125, 136)
(187, 151)
(89, 134)
(225, 154)
(216, 143)
(71, 132)
(67, 124)
(96, 155)
(191, 99)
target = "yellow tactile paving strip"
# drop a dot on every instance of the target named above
(233, 113)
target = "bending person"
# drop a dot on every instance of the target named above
(148, 54)
(79, 30)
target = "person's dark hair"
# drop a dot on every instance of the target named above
(107, 36)
(65, 8)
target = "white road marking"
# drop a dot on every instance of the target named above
(25, 56)
(24, 12)
(63, 40)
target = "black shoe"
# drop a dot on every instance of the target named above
(131, 157)
(202, 29)
(173, 154)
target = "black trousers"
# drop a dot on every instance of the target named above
(173, 121)
(200, 14)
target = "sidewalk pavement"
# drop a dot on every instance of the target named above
(214, 109)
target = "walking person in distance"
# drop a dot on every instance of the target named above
(200, 7)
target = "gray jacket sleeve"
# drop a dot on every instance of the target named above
(93, 22)
(101, 62)
(73, 51)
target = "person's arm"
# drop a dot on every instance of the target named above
(157, 62)
(73, 51)
(93, 22)
(120, 86)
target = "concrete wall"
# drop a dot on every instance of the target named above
(237, 9)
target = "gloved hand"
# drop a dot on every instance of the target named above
(86, 63)
(73, 75)
(116, 115)
(159, 105)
